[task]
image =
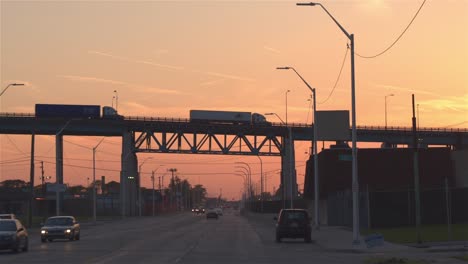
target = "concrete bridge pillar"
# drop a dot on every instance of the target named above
(288, 171)
(128, 176)
(59, 171)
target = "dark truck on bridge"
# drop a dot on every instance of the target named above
(75, 111)
(227, 117)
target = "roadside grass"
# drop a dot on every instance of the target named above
(379, 260)
(429, 233)
(462, 257)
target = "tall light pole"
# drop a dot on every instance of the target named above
(286, 95)
(261, 183)
(250, 175)
(94, 179)
(152, 179)
(172, 171)
(244, 175)
(139, 185)
(386, 109)
(316, 171)
(355, 185)
(249, 186)
(11, 84)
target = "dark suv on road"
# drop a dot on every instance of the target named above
(293, 223)
(60, 227)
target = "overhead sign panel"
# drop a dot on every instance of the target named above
(333, 125)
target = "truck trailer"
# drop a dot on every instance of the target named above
(227, 117)
(75, 111)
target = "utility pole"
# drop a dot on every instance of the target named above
(42, 175)
(31, 179)
(152, 179)
(416, 176)
(160, 192)
(172, 170)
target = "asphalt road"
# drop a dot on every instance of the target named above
(179, 238)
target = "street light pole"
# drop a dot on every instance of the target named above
(11, 84)
(261, 184)
(152, 179)
(172, 170)
(316, 172)
(249, 187)
(355, 185)
(94, 180)
(287, 106)
(386, 109)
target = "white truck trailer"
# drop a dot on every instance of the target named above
(226, 117)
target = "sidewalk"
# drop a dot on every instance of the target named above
(340, 239)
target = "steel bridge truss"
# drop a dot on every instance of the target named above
(208, 143)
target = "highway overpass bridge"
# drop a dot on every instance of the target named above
(175, 135)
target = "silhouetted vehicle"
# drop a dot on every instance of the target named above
(60, 227)
(211, 214)
(13, 235)
(293, 223)
(7, 216)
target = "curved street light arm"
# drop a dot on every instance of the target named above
(308, 86)
(338, 24)
(11, 84)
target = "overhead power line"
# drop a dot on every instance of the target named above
(337, 79)
(391, 45)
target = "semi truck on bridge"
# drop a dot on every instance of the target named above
(227, 117)
(75, 111)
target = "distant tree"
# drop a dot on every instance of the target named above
(113, 187)
(13, 184)
(198, 193)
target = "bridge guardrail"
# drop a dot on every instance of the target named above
(186, 120)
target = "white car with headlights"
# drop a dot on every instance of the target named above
(60, 227)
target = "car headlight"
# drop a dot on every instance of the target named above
(43, 232)
(68, 231)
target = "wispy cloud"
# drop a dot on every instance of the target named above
(271, 49)
(140, 88)
(108, 55)
(226, 76)
(212, 82)
(458, 104)
(145, 62)
(91, 79)
(405, 89)
(159, 65)
(159, 91)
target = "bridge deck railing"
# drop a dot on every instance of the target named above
(185, 120)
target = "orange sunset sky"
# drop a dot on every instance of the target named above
(166, 57)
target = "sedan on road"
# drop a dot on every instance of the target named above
(211, 214)
(293, 223)
(13, 235)
(60, 227)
